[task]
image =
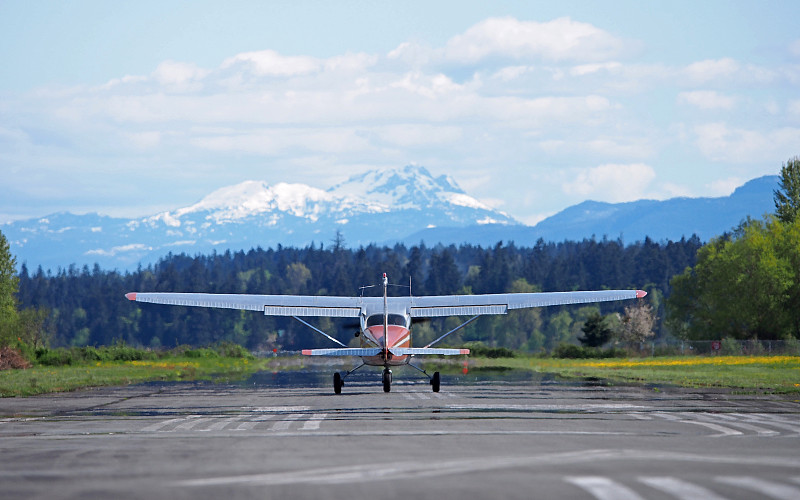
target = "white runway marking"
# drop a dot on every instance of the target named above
(686, 418)
(667, 416)
(723, 431)
(221, 424)
(313, 422)
(764, 487)
(603, 488)
(160, 425)
(678, 488)
(244, 426)
(284, 424)
(774, 422)
(640, 416)
(277, 409)
(713, 418)
(190, 423)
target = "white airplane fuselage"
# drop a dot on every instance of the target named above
(395, 336)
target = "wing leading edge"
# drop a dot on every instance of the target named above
(271, 305)
(472, 305)
(351, 307)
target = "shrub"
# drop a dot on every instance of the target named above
(572, 351)
(201, 353)
(730, 347)
(481, 349)
(231, 350)
(54, 357)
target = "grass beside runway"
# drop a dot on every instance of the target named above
(771, 374)
(768, 374)
(45, 379)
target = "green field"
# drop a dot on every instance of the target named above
(768, 374)
(44, 379)
(771, 374)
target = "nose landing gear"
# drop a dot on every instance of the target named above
(387, 380)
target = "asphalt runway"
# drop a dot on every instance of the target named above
(485, 435)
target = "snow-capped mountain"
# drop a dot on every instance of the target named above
(381, 207)
(374, 207)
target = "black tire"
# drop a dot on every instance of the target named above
(337, 383)
(387, 380)
(435, 381)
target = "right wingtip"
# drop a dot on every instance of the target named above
(640, 294)
(130, 296)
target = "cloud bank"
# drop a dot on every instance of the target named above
(532, 115)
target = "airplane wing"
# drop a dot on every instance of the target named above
(272, 305)
(462, 305)
(351, 307)
(374, 351)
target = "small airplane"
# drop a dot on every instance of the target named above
(385, 323)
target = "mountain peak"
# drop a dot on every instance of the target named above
(410, 187)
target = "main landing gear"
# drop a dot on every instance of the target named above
(338, 379)
(435, 381)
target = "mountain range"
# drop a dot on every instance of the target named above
(406, 205)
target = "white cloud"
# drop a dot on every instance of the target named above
(724, 187)
(588, 69)
(510, 73)
(612, 182)
(711, 70)
(707, 99)
(719, 142)
(412, 135)
(178, 73)
(271, 63)
(557, 40)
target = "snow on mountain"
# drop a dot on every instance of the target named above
(412, 187)
(254, 198)
(373, 207)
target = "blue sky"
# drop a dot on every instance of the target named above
(131, 108)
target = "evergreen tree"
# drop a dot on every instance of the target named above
(787, 198)
(595, 331)
(9, 285)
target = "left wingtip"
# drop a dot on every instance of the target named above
(130, 296)
(640, 294)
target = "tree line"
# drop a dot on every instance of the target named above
(86, 306)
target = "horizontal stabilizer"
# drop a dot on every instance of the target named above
(344, 351)
(417, 351)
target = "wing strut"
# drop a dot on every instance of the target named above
(318, 330)
(459, 327)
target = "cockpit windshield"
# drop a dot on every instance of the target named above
(394, 319)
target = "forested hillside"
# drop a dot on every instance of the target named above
(88, 306)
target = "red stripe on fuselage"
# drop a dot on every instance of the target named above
(398, 336)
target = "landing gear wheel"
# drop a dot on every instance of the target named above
(387, 380)
(435, 380)
(337, 383)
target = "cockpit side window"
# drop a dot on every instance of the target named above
(394, 319)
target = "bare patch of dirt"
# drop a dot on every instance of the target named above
(11, 359)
